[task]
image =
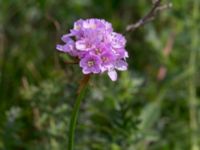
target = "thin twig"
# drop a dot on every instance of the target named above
(166, 51)
(157, 7)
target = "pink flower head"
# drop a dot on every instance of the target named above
(97, 46)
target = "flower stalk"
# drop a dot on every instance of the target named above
(81, 92)
(193, 102)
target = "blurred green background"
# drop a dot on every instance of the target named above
(153, 106)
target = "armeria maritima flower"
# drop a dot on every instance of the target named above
(97, 46)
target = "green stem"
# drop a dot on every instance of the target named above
(81, 93)
(193, 103)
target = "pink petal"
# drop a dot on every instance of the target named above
(81, 45)
(121, 65)
(86, 71)
(66, 37)
(113, 75)
(59, 47)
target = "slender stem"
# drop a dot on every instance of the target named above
(192, 87)
(81, 92)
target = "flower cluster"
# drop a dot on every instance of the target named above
(98, 48)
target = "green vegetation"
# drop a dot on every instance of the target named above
(155, 105)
